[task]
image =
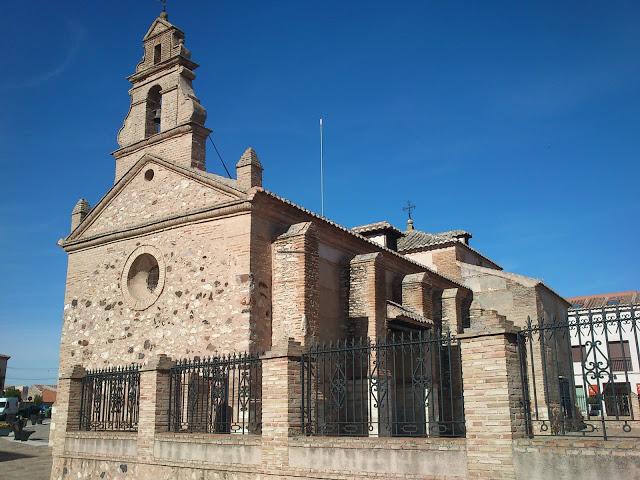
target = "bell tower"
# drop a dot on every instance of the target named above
(165, 117)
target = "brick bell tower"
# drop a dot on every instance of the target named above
(165, 117)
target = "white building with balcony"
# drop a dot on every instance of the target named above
(605, 334)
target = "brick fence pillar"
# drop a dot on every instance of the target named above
(68, 400)
(493, 407)
(281, 402)
(154, 403)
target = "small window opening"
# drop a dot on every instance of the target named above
(157, 54)
(148, 175)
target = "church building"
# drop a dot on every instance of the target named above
(175, 263)
(177, 260)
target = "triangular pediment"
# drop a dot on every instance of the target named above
(154, 190)
(158, 26)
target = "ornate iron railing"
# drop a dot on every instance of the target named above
(593, 394)
(216, 395)
(404, 385)
(110, 399)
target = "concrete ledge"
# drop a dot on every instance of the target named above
(210, 449)
(428, 457)
(102, 444)
(386, 443)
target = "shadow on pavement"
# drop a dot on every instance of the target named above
(8, 456)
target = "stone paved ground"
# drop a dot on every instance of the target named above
(26, 460)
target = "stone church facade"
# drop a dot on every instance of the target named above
(175, 263)
(231, 263)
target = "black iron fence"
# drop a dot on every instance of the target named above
(216, 395)
(110, 399)
(405, 385)
(581, 374)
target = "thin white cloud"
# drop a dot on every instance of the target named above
(77, 36)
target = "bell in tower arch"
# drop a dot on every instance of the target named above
(154, 111)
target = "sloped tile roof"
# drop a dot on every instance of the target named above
(413, 239)
(397, 311)
(602, 300)
(372, 227)
(351, 232)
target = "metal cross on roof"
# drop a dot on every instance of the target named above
(164, 5)
(409, 208)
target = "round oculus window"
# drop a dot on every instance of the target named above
(143, 277)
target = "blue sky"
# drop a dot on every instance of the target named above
(519, 123)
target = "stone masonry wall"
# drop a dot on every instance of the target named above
(166, 194)
(203, 307)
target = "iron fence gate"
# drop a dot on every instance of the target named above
(404, 385)
(110, 399)
(216, 395)
(581, 374)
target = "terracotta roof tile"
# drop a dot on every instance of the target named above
(601, 300)
(372, 227)
(417, 239)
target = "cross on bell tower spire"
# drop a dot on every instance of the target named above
(409, 208)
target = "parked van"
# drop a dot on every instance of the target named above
(8, 406)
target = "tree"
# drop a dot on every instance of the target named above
(37, 400)
(13, 392)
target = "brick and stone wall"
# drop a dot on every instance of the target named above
(204, 305)
(495, 447)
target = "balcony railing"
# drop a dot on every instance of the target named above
(621, 364)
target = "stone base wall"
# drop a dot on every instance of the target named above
(586, 459)
(101, 455)
(495, 446)
(104, 455)
(347, 458)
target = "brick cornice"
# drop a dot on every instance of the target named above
(160, 363)
(178, 60)
(182, 129)
(73, 372)
(489, 332)
(292, 350)
(217, 211)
